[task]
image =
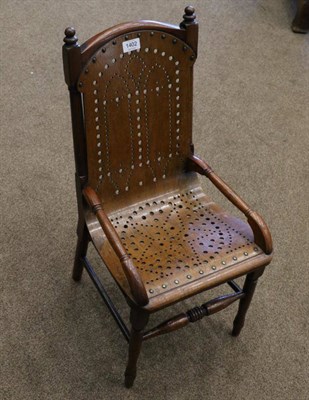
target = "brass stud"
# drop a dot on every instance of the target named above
(223, 262)
(234, 258)
(176, 281)
(163, 36)
(189, 276)
(151, 291)
(151, 33)
(103, 50)
(245, 253)
(256, 249)
(174, 41)
(94, 59)
(185, 48)
(80, 84)
(86, 71)
(192, 57)
(138, 35)
(201, 272)
(126, 37)
(164, 286)
(213, 267)
(114, 42)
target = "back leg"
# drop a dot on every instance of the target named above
(81, 251)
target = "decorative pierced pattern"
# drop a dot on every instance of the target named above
(138, 109)
(182, 238)
(132, 101)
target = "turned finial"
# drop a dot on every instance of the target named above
(70, 38)
(188, 17)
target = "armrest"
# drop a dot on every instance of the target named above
(262, 236)
(135, 282)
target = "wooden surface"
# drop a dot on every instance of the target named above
(159, 235)
(139, 115)
(180, 244)
(301, 21)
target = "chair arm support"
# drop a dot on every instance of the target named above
(135, 282)
(262, 236)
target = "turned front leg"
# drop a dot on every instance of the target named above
(244, 303)
(139, 320)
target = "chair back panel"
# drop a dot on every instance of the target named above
(138, 113)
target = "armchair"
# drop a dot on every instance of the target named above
(139, 199)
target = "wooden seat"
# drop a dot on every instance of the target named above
(179, 243)
(139, 198)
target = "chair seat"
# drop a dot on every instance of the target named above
(181, 243)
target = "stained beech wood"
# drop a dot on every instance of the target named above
(80, 253)
(179, 321)
(97, 41)
(138, 319)
(261, 232)
(173, 324)
(136, 284)
(249, 288)
(301, 21)
(139, 199)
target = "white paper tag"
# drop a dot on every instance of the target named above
(131, 45)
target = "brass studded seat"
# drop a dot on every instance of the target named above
(137, 181)
(181, 241)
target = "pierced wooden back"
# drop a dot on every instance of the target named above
(137, 113)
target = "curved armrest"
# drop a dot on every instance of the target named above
(135, 282)
(262, 236)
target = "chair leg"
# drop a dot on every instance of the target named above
(244, 303)
(81, 251)
(139, 320)
(301, 20)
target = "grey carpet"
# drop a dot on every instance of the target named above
(250, 123)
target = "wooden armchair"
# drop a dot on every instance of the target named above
(139, 198)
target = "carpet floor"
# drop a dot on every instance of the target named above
(251, 122)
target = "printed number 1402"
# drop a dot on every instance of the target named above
(131, 45)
